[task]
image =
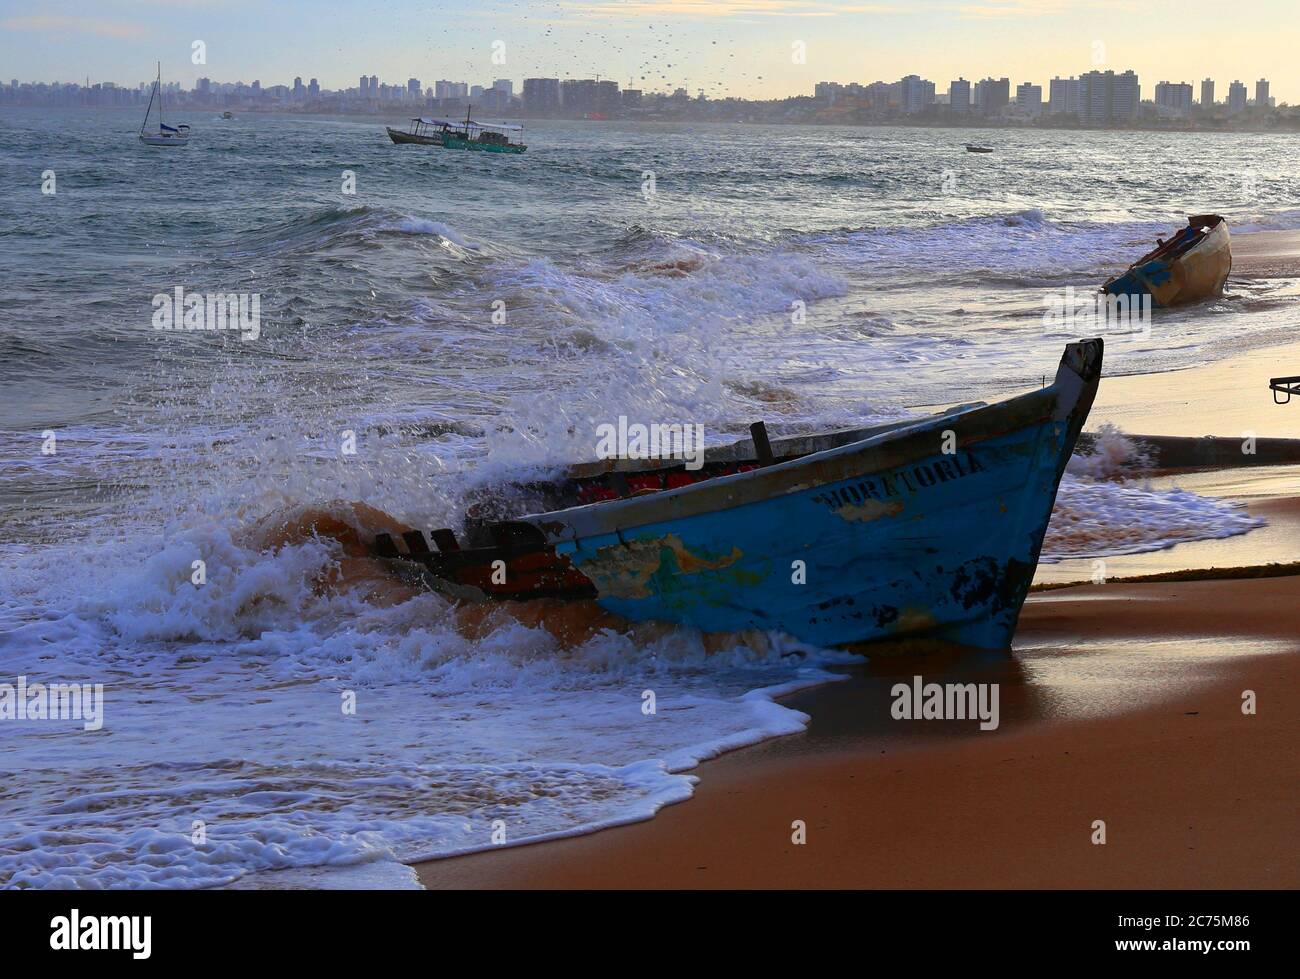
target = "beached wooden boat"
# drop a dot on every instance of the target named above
(923, 528)
(1191, 266)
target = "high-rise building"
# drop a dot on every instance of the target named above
(1207, 93)
(1126, 97)
(298, 90)
(1106, 98)
(828, 91)
(365, 87)
(313, 89)
(1063, 96)
(374, 86)
(1174, 97)
(607, 98)
(413, 89)
(505, 85)
(1029, 98)
(992, 95)
(1236, 98)
(578, 95)
(915, 94)
(1261, 93)
(880, 96)
(444, 89)
(959, 95)
(542, 95)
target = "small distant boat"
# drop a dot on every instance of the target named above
(166, 135)
(1191, 266)
(227, 114)
(927, 528)
(972, 148)
(493, 137)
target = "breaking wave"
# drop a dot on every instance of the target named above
(225, 710)
(1017, 243)
(335, 227)
(1105, 506)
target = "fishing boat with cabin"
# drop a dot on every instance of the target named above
(928, 528)
(491, 137)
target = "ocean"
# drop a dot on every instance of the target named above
(431, 322)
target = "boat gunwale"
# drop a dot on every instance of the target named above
(884, 451)
(742, 451)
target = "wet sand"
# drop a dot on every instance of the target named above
(1229, 398)
(1266, 254)
(1119, 702)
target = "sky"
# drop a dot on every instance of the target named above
(747, 48)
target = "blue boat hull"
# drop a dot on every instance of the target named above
(946, 547)
(910, 540)
(931, 528)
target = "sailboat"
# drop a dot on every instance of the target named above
(166, 135)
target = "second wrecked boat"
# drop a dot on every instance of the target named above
(1191, 266)
(921, 528)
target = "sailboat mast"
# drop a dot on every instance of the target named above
(148, 108)
(159, 84)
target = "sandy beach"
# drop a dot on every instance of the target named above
(1146, 734)
(1120, 702)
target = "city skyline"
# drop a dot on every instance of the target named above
(912, 92)
(1105, 99)
(753, 49)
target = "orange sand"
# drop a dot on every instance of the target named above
(1193, 792)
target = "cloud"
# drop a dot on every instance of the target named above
(74, 25)
(1002, 9)
(722, 9)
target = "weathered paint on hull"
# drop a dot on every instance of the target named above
(1199, 273)
(946, 546)
(897, 537)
